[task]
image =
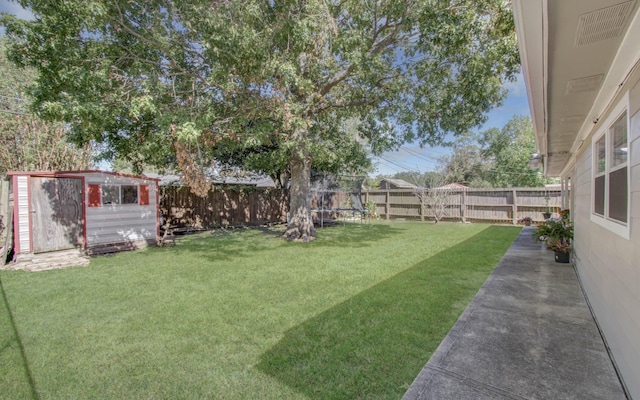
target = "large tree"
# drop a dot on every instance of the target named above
(496, 157)
(466, 164)
(27, 142)
(508, 151)
(269, 83)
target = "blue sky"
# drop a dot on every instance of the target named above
(410, 157)
(14, 8)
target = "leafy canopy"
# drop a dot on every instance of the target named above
(262, 82)
(495, 157)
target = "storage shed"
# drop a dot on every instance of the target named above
(98, 211)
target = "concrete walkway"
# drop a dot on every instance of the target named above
(528, 334)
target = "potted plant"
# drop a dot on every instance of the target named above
(557, 234)
(526, 221)
(561, 251)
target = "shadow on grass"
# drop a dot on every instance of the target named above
(12, 355)
(248, 242)
(374, 344)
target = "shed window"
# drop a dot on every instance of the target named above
(129, 194)
(110, 194)
(118, 194)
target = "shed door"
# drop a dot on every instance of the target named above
(56, 213)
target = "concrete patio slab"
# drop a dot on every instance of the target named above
(527, 334)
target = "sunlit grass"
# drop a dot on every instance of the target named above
(246, 315)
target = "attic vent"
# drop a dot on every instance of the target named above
(602, 24)
(586, 84)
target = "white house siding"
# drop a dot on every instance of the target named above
(120, 223)
(23, 213)
(608, 264)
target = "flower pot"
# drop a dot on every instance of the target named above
(546, 215)
(527, 223)
(562, 257)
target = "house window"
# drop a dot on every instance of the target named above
(599, 191)
(618, 191)
(610, 173)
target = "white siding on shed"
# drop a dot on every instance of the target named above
(120, 223)
(23, 214)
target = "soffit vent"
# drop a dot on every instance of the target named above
(602, 24)
(574, 119)
(586, 84)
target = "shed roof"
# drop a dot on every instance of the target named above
(79, 172)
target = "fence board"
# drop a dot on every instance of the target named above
(501, 205)
(222, 207)
(231, 206)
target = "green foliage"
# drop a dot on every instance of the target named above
(372, 209)
(495, 157)
(26, 141)
(242, 315)
(466, 164)
(509, 151)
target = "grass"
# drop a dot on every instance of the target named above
(245, 315)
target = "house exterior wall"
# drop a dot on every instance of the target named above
(126, 224)
(607, 263)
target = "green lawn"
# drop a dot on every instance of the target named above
(246, 315)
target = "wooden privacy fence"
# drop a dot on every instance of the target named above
(496, 205)
(234, 206)
(222, 207)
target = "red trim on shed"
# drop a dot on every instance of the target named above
(144, 195)
(94, 195)
(157, 210)
(84, 214)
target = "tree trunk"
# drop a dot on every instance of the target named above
(300, 226)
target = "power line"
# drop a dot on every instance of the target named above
(404, 167)
(388, 165)
(425, 157)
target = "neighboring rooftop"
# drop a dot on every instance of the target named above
(453, 186)
(389, 183)
(260, 181)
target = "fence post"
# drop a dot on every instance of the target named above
(514, 217)
(387, 206)
(463, 205)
